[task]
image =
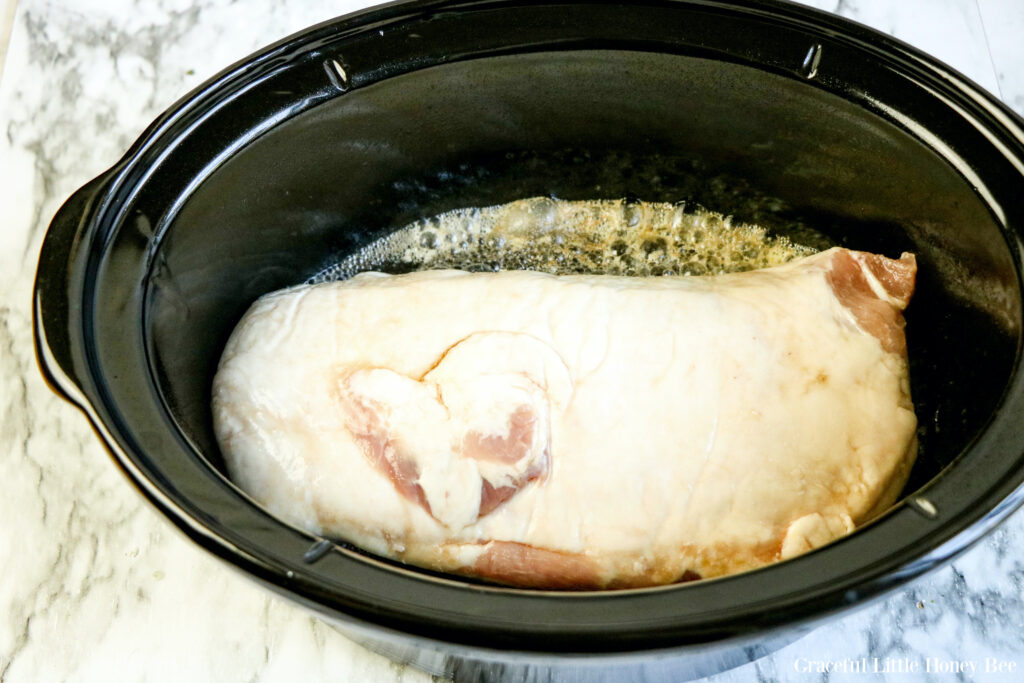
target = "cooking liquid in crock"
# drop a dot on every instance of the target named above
(609, 237)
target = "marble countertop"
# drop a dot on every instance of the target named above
(94, 586)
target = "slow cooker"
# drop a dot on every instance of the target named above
(319, 144)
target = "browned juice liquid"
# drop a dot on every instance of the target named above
(611, 237)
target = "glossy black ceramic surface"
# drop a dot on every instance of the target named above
(772, 112)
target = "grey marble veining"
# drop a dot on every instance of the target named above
(95, 587)
(1004, 29)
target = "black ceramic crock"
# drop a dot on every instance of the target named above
(325, 141)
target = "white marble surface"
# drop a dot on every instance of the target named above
(94, 586)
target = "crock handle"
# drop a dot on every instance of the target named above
(56, 299)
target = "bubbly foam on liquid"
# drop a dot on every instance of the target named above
(611, 237)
